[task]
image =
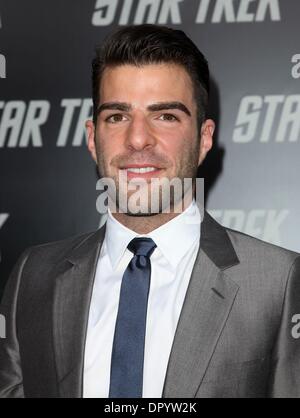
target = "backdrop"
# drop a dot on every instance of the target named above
(48, 180)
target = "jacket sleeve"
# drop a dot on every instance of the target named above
(11, 380)
(285, 374)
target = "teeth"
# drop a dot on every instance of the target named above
(141, 170)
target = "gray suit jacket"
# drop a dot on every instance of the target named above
(234, 337)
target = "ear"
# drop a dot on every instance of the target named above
(206, 140)
(90, 130)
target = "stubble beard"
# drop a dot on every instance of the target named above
(166, 201)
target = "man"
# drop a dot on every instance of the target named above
(152, 304)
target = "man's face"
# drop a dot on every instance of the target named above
(148, 118)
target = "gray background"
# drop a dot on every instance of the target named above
(48, 192)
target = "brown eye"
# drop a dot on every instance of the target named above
(115, 118)
(168, 117)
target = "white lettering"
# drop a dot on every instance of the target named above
(85, 113)
(296, 68)
(223, 7)
(241, 11)
(105, 12)
(2, 327)
(247, 119)
(3, 219)
(296, 328)
(170, 8)
(124, 18)
(12, 118)
(261, 223)
(2, 66)
(152, 6)
(259, 116)
(37, 115)
(69, 105)
(290, 119)
(202, 11)
(263, 6)
(273, 103)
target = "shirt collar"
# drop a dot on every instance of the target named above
(173, 239)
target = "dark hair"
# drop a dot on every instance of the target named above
(153, 44)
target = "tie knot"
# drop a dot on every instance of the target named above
(142, 246)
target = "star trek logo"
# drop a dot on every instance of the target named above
(124, 12)
(265, 224)
(243, 11)
(21, 123)
(271, 118)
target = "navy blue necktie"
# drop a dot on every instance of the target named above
(127, 361)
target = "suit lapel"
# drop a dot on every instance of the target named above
(209, 299)
(72, 295)
(207, 304)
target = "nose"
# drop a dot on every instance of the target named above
(139, 135)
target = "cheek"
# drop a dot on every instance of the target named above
(107, 146)
(177, 144)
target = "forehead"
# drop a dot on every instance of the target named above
(151, 82)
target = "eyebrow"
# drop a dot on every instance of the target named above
(155, 107)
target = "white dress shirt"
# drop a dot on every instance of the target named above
(171, 266)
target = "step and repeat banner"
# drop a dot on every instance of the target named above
(48, 180)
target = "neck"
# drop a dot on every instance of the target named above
(145, 224)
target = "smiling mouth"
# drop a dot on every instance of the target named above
(144, 170)
(141, 170)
